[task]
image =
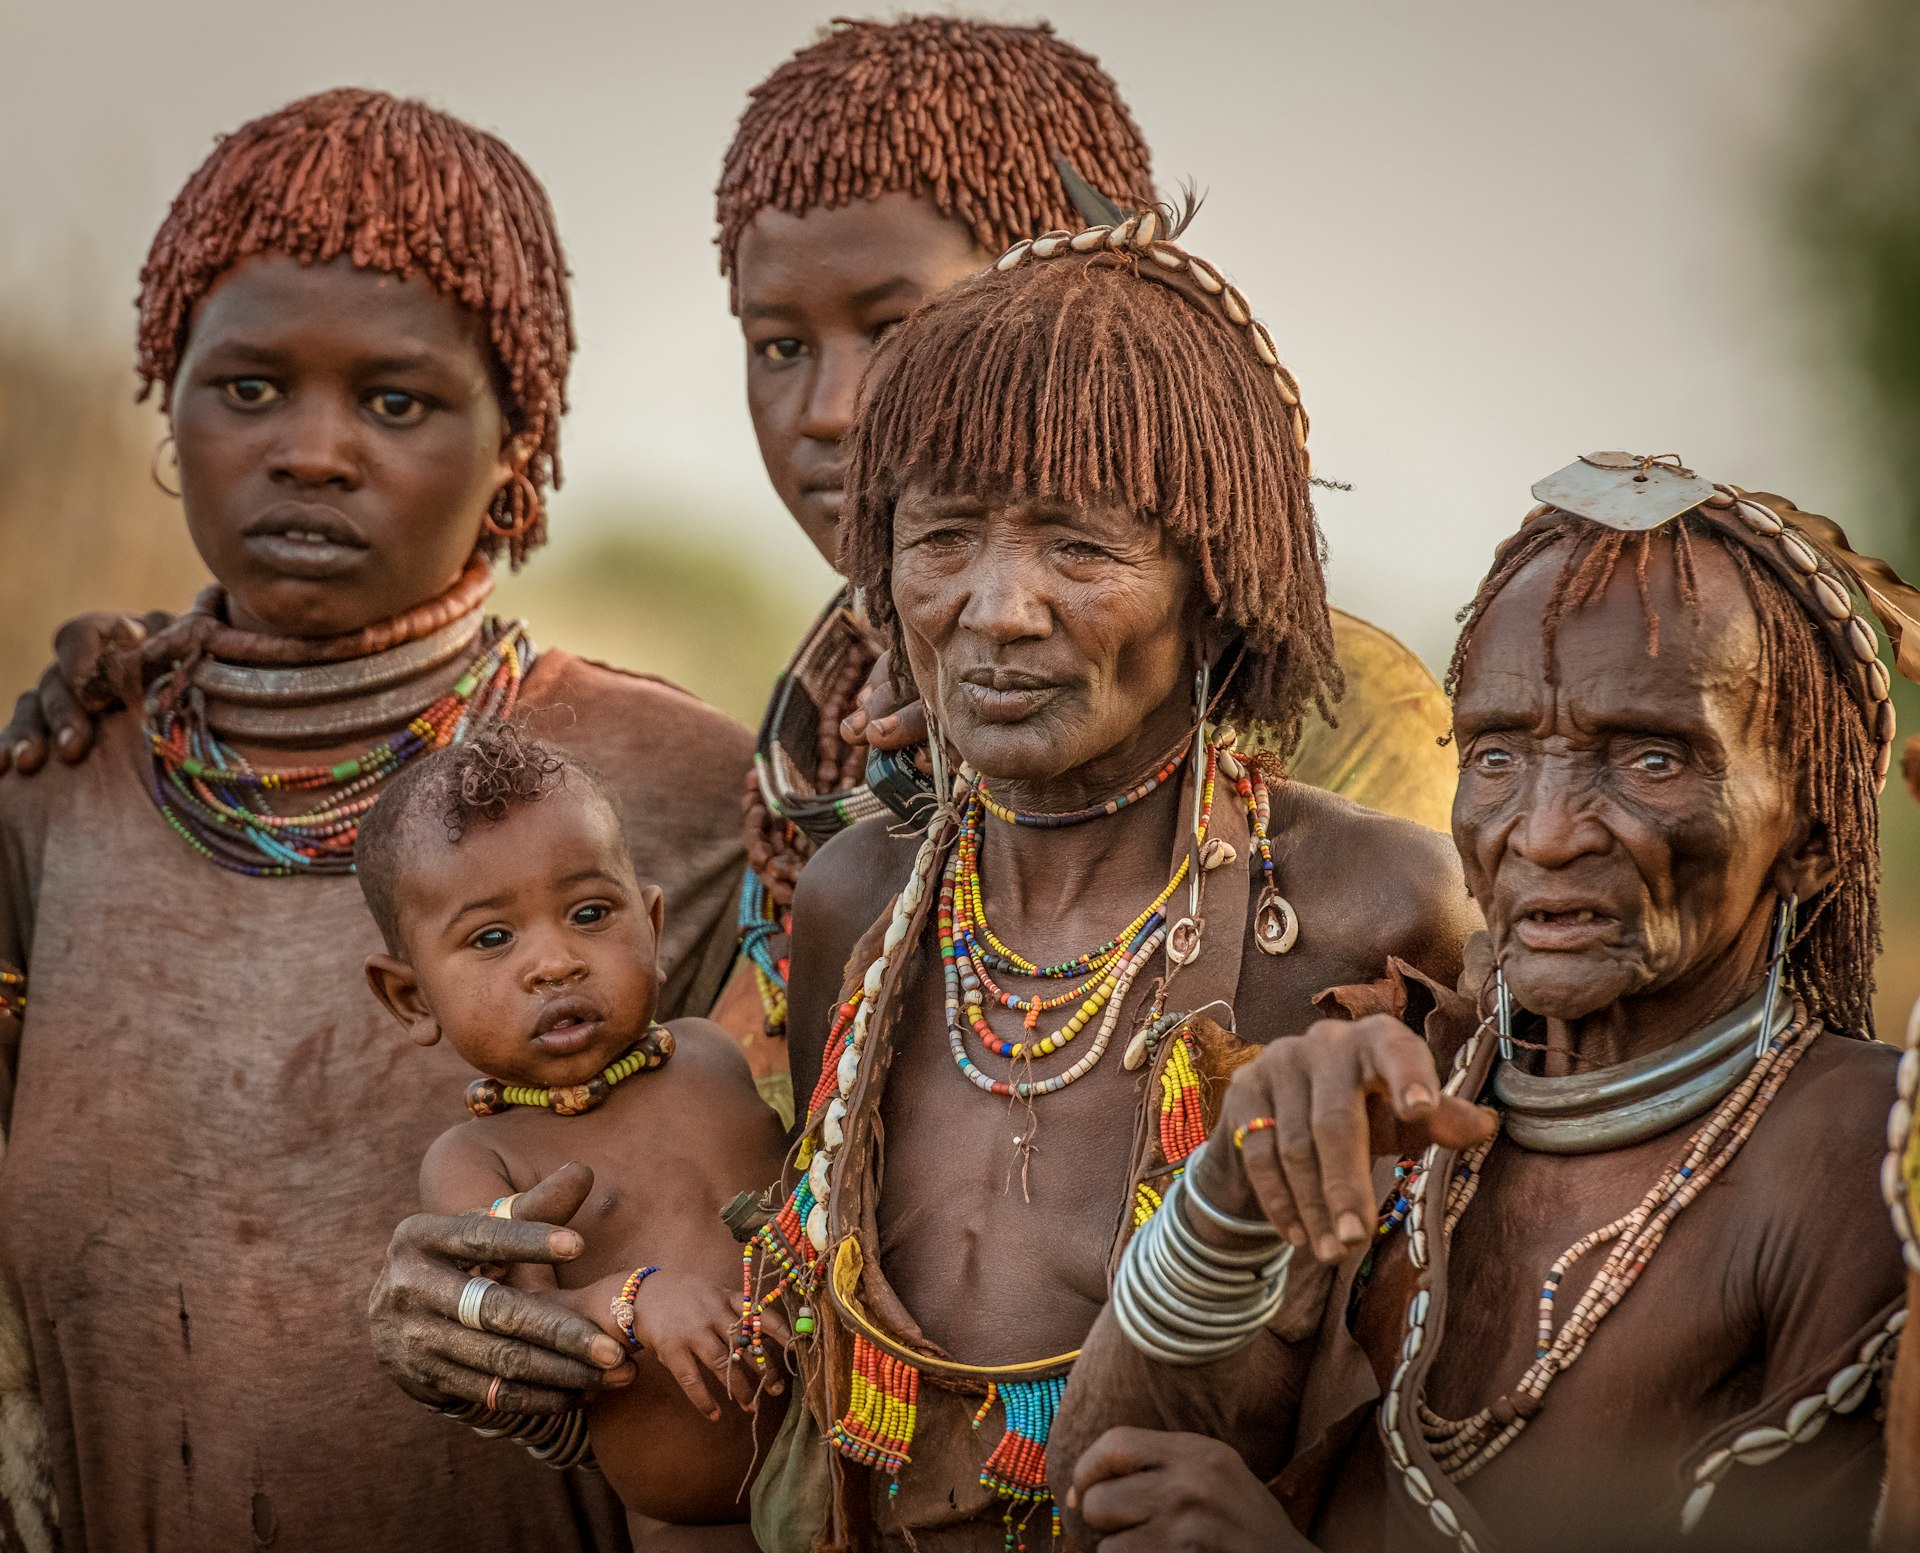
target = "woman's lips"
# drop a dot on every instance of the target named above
(1005, 703)
(306, 554)
(1554, 930)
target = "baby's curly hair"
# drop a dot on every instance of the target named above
(480, 781)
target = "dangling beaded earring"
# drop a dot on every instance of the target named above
(1783, 919)
(1503, 1014)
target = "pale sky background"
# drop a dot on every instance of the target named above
(1487, 234)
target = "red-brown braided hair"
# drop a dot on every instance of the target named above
(968, 114)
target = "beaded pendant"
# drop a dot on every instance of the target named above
(489, 1097)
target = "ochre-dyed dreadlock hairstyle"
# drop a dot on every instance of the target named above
(1802, 700)
(399, 187)
(965, 113)
(1084, 379)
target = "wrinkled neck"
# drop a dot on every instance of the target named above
(1643, 1023)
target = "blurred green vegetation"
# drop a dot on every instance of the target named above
(631, 587)
(1851, 203)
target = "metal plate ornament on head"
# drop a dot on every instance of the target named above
(1624, 490)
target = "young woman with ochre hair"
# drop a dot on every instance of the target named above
(356, 314)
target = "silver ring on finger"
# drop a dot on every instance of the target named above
(470, 1298)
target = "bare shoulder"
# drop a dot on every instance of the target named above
(1845, 1087)
(1400, 879)
(842, 890)
(640, 732)
(462, 1167)
(705, 1054)
(707, 1097)
(846, 885)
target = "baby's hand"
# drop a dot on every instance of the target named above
(687, 1322)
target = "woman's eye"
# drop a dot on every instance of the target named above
(1656, 762)
(491, 938)
(1083, 551)
(397, 407)
(249, 392)
(588, 916)
(1493, 758)
(786, 348)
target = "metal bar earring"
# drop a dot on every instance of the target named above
(1503, 1014)
(1783, 918)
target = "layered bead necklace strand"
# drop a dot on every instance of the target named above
(1462, 1447)
(214, 798)
(970, 952)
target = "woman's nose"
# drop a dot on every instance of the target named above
(319, 445)
(1004, 604)
(833, 394)
(1559, 818)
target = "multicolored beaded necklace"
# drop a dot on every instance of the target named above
(1098, 811)
(882, 1411)
(970, 953)
(489, 1097)
(214, 798)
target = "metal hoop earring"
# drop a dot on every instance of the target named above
(153, 466)
(1783, 919)
(1503, 1014)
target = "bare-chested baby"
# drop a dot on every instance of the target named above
(516, 929)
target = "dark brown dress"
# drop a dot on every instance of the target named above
(213, 1128)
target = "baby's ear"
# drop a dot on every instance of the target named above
(398, 989)
(656, 905)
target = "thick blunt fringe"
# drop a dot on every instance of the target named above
(1084, 381)
(1801, 699)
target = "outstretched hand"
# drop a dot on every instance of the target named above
(1339, 1097)
(548, 1355)
(60, 711)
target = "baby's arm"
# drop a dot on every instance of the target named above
(461, 1174)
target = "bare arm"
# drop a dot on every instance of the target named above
(1136, 1455)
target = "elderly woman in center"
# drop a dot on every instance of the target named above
(1079, 501)
(1630, 1283)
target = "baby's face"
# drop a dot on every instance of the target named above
(535, 948)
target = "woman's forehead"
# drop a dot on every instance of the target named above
(274, 298)
(1647, 639)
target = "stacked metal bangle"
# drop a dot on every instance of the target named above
(558, 1439)
(1183, 1301)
